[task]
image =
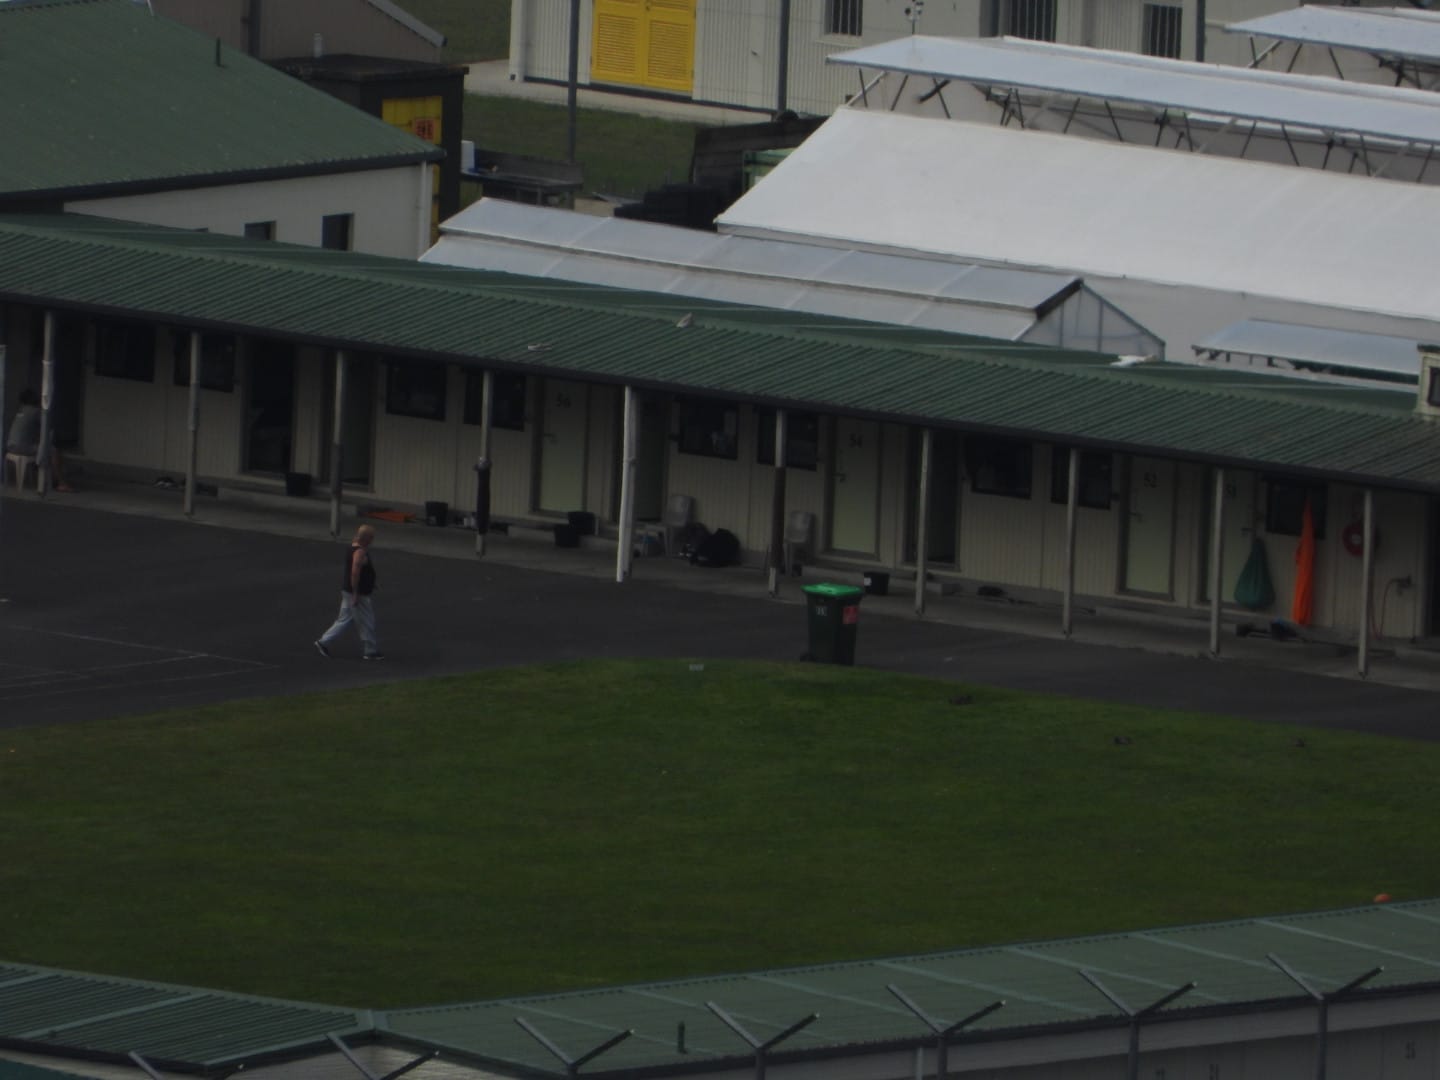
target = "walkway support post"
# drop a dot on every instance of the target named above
(1217, 559)
(192, 424)
(1072, 490)
(922, 521)
(944, 1032)
(1137, 1016)
(44, 458)
(777, 506)
(1367, 569)
(1322, 1003)
(483, 465)
(626, 549)
(337, 438)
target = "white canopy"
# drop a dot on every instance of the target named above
(1398, 32)
(897, 183)
(1212, 90)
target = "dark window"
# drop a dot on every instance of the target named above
(708, 428)
(1432, 395)
(1094, 487)
(125, 350)
(260, 230)
(507, 399)
(217, 361)
(1285, 506)
(335, 231)
(1033, 19)
(999, 466)
(415, 388)
(802, 439)
(843, 17)
(1161, 32)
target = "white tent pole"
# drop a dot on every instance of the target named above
(192, 424)
(922, 521)
(1217, 559)
(624, 552)
(1072, 489)
(1367, 562)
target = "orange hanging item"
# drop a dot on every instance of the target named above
(1302, 606)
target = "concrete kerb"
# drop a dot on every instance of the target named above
(1144, 631)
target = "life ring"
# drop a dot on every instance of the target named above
(1354, 539)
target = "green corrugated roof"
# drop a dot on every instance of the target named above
(792, 359)
(70, 1012)
(1040, 983)
(101, 96)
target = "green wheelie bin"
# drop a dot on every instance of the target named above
(832, 613)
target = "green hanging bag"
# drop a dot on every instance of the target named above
(1255, 590)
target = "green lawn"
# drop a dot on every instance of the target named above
(600, 823)
(473, 29)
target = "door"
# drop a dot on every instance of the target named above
(651, 449)
(1150, 528)
(357, 426)
(1237, 531)
(562, 446)
(944, 509)
(270, 406)
(648, 43)
(855, 487)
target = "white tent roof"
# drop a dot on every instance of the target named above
(496, 234)
(898, 183)
(1337, 350)
(1401, 32)
(1307, 101)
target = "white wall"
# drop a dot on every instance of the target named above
(391, 208)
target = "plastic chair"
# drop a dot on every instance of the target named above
(19, 463)
(679, 512)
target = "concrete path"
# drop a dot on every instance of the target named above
(112, 603)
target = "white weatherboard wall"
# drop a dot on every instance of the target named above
(391, 208)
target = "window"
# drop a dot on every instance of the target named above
(335, 231)
(1285, 506)
(802, 439)
(260, 230)
(507, 399)
(125, 351)
(842, 17)
(1094, 487)
(217, 360)
(1161, 32)
(1033, 19)
(708, 428)
(415, 388)
(1432, 393)
(999, 466)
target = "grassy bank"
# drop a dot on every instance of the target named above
(602, 823)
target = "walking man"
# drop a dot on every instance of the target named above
(357, 603)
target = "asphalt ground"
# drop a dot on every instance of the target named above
(108, 614)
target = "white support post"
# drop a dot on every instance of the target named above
(337, 440)
(1217, 559)
(487, 403)
(922, 521)
(1072, 494)
(192, 424)
(1367, 564)
(624, 552)
(777, 504)
(47, 394)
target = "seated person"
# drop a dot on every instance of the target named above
(24, 437)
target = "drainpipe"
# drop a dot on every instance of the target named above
(192, 424)
(782, 76)
(482, 466)
(572, 88)
(252, 45)
(1367, 566)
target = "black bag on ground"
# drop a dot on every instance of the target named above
(720, 548)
